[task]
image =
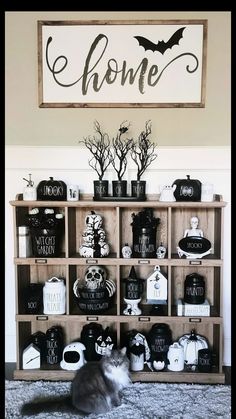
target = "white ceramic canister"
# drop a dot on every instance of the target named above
(136, 362)
(175, 356)
(207, 194)
(72, 193)
(54, 296)
(29, 192)
(24, 242)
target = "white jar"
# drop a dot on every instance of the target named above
(24, 242)
(207, 194)
(29, 193)
(175, 355)
(54, 296)
(136, 362)
(72, 193)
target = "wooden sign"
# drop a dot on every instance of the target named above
(146, 63)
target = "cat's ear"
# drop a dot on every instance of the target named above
(123, 350)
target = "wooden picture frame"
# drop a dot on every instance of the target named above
(122, 64)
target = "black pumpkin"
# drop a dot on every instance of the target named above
(187, 189)
(51, 190)
(107, 339)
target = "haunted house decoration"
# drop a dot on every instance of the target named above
(94, 293)
(94, 238)
(157, 291)
(144, 227)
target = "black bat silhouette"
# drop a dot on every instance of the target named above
(161, 46)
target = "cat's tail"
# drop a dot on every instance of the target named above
(47, 405)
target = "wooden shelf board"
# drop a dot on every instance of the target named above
(171, 377)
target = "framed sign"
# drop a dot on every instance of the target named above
(145, 63)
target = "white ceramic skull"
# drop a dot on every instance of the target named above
(95, 277)
(126, 251)
(161, 252)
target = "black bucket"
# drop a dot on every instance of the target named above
(46, 242)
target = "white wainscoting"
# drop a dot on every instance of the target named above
(70, 164)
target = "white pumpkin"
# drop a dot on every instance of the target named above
(93, 220)
(191, 344)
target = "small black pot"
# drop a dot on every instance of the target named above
(100, 188)
(138, 188)
(119, 188)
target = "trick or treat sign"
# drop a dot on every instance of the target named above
(132, 63)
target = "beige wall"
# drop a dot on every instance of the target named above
(27, 124)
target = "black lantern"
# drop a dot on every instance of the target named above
(144, 228)
(194, 289)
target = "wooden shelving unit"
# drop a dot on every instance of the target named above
(116, 215)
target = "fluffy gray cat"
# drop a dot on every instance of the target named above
(95, 388)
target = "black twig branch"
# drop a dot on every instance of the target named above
(121, 148)
(99, 146)
(142, 151)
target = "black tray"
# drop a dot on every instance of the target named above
(119, 198)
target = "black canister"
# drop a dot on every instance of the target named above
(34, 298)
(89, 335)
(144, 227)
(133, 286)
(159, 339)
(204, 360)
(194, 289)
(54, 345)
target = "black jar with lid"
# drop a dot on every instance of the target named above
(194, 289)
(159, 339)
(54, 345)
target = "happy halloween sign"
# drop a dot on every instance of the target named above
(122, 64)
